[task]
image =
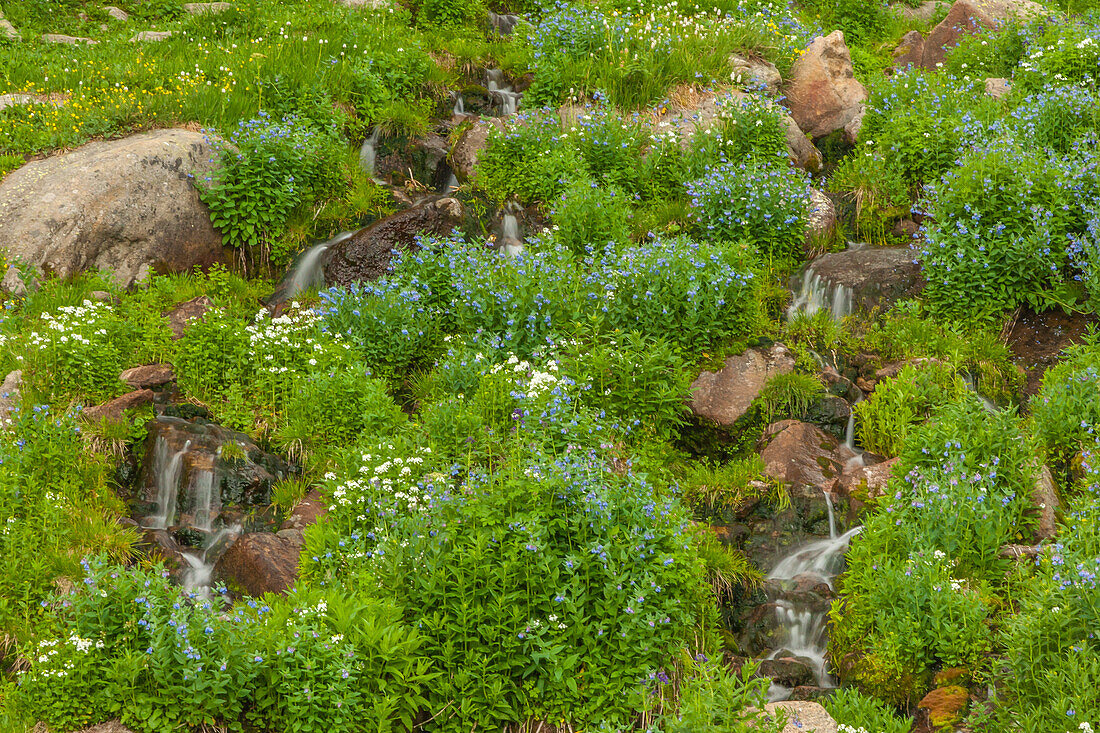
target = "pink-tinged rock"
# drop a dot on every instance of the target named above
(823, 93)
(724, 396)
(148, 376)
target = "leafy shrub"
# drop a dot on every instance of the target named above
(559, 595)
(1065, 414)
(989, 53)
(862, 21)
(591, 217)
(713, 699)
(1066, 52)
(848, 706)
(268, 167)
(915, 394)
(744, 127)
(765, 207)
(340, 408)
(704, 294)
(525, 160)
(719, 491)
(450, 13)
(389, 322)
(789, 395)
(79, 351)
(1051, 640)
(916, 595)
(625, 377)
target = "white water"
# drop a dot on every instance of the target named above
(850, 438)
(510, 236)
(167, 468)
(307, 271)
(500, 92)
(804, 627)
(367, 152)
(451, 185)
(200, 571)
(202, 488)
(817, 294)
(460, 106)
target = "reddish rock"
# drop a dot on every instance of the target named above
(259, 562)
(910, 52)
(1044, 494)
(964, 19)
(180, 316)
(115, 409)
(467, 150)
(823, 93)
(306, 512)
(789, 671)
(149, 375)
(866, 482)
(944, 705)
(805, 457)
(724, 396)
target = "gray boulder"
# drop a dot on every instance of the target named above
(127, 206)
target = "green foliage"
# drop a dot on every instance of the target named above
(744, 127)
(623, 376)
(548, 590)
(268, 168)
(451, 13)
(719, 492)
(848, 706)
(918, 391)
(714, 699)
(1065, 414)
(338, 409)
(590, 217)
(789, 395)
(989, 54)
(862, 21)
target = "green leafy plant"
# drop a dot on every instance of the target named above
(883, 421)
(789, 395)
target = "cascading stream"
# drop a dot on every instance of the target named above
(168, 467)
(803, 627)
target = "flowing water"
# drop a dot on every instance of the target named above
(850, 441)
(510, 236)
(308, 271)
(803, 626)
(817, 293)
(501, 93)
(367, 152)
(168, 465)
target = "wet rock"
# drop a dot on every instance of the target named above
(724, 396)
(874, 275)
(366, 255)
(65, 40)
(807, 590)
(148, 376)
(755, 73)
(181, 315)
(10, 395)
(197, 455)
(823, 93)
(114, 410)
(1044, 495)
(998, 88)
(260, 562)
(866, 483)
(205, 8)
(906, 228)
(944, 706)
(803, 456)
(503, 24)
(803, 717)
(116, 13)
(1038, 339)
(422, 159)
(467, 149)
(809, 692)
(789, 671)
(151, 36)
(760, 629)
(831, 413)
(128, 206)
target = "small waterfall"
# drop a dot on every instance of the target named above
(460, 106)
(510, 236)
(367, 152)
(803, 626)
(451, 185)
(202, 489)
(501, 93)
(816, 293)
(200, 565)
(168, 468)
(850, 438)
(972, 385)
(308, 271)
(503, 24)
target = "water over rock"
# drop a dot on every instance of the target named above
(822, 92)
(366, 254)
(857, 278)
(127, 206)
(803, 456)
(724, 396)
